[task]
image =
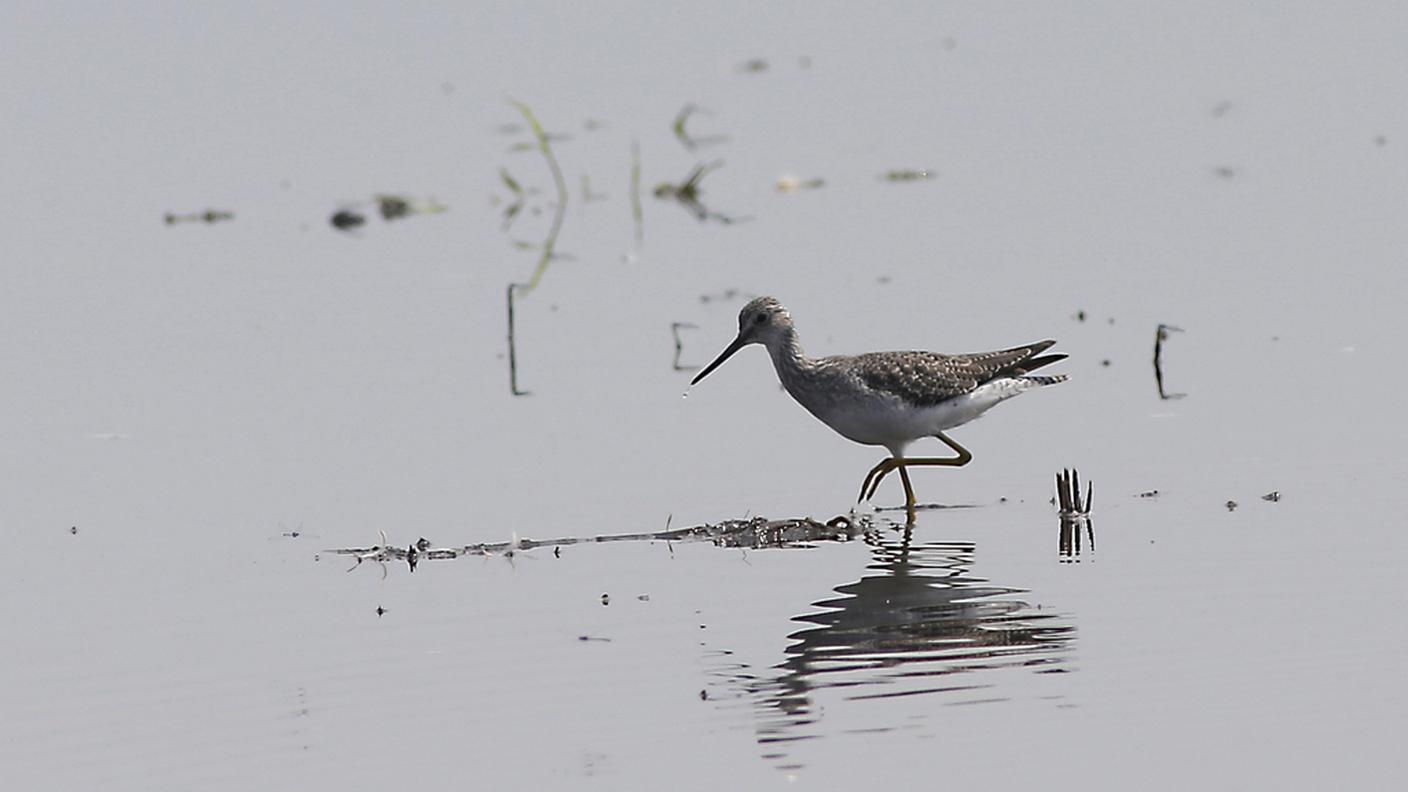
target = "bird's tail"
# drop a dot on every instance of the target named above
(1045, 380)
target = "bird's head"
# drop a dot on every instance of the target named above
(762, 321)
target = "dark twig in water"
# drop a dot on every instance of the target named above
(1159, 335)
(675, 328)
(526, 288)
(513, 348)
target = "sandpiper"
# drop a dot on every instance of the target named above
(889, 399)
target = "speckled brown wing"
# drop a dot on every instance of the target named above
(928, 378)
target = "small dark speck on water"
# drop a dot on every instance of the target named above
(643, 597)
(704, 695)
(380, 611)
(1273, 496)
(1232, 505)
(345, 219)
(557, 552)
(73, 530)
(1080, 316)
(1380, 140)
(1149, 494)
(1105, 362)
(605, 599)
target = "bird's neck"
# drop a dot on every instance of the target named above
(791, 363)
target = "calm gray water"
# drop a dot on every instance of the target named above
(196, 413)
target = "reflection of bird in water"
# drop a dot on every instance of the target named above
(889, 399)
(918, 624)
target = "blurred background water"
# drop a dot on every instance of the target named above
(194, 412)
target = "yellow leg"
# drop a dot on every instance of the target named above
(908, 494)
(880, 471)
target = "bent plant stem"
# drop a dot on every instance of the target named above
(549, 242)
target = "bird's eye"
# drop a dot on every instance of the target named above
(760, 318)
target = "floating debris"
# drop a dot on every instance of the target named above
(208, 216)
(511, 207)
(1272, 497)
(753, 66)
(1232, 505)
(755, 533)
(1161, 335)
(791, 184)
(347, 219)
(1080, 316)
(688, 141)
(905, 175)
(1148, 494)
(686, 194)
(395, 207)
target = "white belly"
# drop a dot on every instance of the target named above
(889, 422)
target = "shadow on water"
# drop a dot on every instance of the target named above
(917, 624)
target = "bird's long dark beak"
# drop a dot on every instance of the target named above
(738, 343)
